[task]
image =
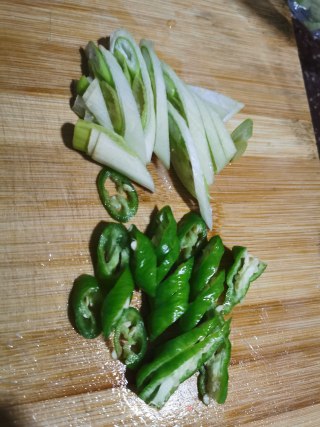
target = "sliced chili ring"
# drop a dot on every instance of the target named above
(123, 205)
(130, 338)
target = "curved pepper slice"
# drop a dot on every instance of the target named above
(86, 300)
(116, 301)
(207, 299)
(192, 234)
(163, 234)
(143, 261)
(206, 265)
(214, 376)
(173, 347)
(171, 299)
(130, 338)
(112, 253)
(123, 205)
(171, 374)
(245, 269)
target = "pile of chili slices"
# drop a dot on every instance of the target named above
(189, 282)
(189, 285)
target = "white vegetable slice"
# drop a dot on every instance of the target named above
(122, 40)
(133, 132)
(219, 158)
(111, 153)
(223, 105)
(225, 138)
(94, 134)
(194, 121)
(162, 145)
(79, 107)
(200, 186)
(94, 102)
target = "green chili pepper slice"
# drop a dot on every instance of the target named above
(171, 374)
(214, 376)
(86, 300)
(143, 261)
(171, 299)
(123, 205)
(130, 338)
(207, 299)
(117, 300)
(192, 234)
(173, 347)
(112, 253)
(163, 234)
(206, 265)
(245, 269)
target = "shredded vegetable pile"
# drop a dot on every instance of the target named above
(133, 105)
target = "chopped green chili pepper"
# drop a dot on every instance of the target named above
(130, 338)
(86, 299)
(192, 234)
(171, 374)
(214, 376)
(143, 261)
(163, 234)
(245, 269)
(206, 265)
(123, 205)
(112, 253)
(173, 347)
(171, 299)
(205, 300)
(116, 301)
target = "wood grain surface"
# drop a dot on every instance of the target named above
(268, 201)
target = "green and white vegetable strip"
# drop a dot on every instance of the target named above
(124, 47)
(194, 122)
(200, 186)
(223, 105)
(226, 141)
(162, 146)
(133, 132)
(218, 157)
(127, 93)
(95, 103)
(110, 149)
(240, 137)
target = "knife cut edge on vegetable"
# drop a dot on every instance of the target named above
(133, 132)
(122, 40)
(111, 150)
(200, 186)
(161, 146)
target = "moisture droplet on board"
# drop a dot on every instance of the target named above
(171, 23)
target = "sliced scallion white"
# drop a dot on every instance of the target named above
(225, 138)
(110, 153)
(217, 153)
(79, 107)
(223, 105)
(162, 146)
(194, 122)
(110, 149)
(186, 143)
(94, 101)
(133, 132)
(127, 52)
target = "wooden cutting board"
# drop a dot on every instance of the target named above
(268, 201)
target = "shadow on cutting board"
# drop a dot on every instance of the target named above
(9, 417)
(274, 12)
